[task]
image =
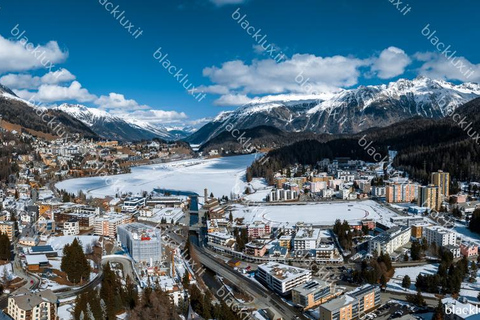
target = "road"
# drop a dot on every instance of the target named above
(261, 294)
(127, 265)
(74, 292)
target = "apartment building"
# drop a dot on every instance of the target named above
(282, 278)
(71, 227)
(256, 248)
(407, 221)
(379, 191)
(327, 253)
(282, 195)
(428, 197)
(306, 239)
(220, 238)
(440, 236)
(469, 249)
(390, 240)
(107, 225)
(417, 231)
(133, 204)
(85, 220)
(401, 192)
(313, 293)
(8, 228)
(454, 250)
(27, 305)
(285, 242)
(258, 230)
(352, 305)
(342, 308)
(368, 297)
(442, 181)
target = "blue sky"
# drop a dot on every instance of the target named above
(336, 44)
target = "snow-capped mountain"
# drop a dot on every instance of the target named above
(106, 125)
(17, 111)
(113, 127)
(347, 111)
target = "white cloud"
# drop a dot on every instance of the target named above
(118, 101)
(269, 77)
(18, 56)
(300, 74)
(159, 117)
(199, 122)
(59, 76)
(54, 93)
(229, 100)
(27, 81)
(438, 67)
(391, 63)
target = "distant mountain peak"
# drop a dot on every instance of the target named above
(346, 111)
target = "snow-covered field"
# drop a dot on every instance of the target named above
(465, 234)
(58, 243)
(220, 175)
(65, 311)
(395, 283)
(315, 213)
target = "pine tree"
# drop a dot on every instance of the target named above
(439, 312)
(4, 247)
(406, 282)
(74, 263)
(383, 281)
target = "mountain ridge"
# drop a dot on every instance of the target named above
(348, 111)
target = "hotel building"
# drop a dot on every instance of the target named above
(282, 278)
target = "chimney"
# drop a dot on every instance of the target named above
(206, 194)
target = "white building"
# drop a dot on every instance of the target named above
(454, 249)
(282, 195)
(282, 278)
(306, 239)
(71, 227)
(379, 191)
(133, 204)
(441, 236)
(219, 238)
(107, 225)
(390, 240)
(40, 305)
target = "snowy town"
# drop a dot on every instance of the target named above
(345, 236)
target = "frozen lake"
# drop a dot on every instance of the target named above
(220, 176)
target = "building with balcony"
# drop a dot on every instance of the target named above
(282, 278)
(390, 240)
(440, 236)
(306, 239)
(313, 293)
(27, 305)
